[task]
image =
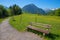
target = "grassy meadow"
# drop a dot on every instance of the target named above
(22, 21)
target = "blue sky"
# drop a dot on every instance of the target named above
(51, 4)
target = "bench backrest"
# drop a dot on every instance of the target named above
(40, 24)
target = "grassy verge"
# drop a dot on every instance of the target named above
(21, 22)
(1, 20)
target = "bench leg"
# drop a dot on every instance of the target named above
(43, 35)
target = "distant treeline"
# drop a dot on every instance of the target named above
(16, 10)
(12, 10)
(55, 12)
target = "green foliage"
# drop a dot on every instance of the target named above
(3, 12)
(12, 10)
(15, 10)
(57, 12)
(54, 12)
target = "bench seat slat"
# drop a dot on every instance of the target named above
(38, 29)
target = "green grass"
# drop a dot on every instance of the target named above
(21, 23)
(1, 20)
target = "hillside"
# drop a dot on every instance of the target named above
(47, 10)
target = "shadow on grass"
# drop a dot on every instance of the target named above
(50, 35)
(14, 20)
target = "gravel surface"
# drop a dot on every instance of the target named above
(9, 33)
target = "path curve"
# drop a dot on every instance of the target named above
(9, 33)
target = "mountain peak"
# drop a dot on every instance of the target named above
(32, 4)
(31, 8)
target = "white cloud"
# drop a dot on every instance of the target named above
(54, 8)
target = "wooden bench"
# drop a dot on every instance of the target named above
(44, 31)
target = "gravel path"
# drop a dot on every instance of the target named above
(9, 33)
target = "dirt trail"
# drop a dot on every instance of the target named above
(9, 33)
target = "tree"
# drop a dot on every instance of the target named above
(3, 12)
(57, 12)
(15, 10)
